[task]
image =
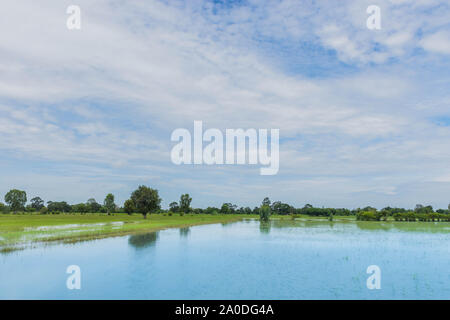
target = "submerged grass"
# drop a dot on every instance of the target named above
(17, 230)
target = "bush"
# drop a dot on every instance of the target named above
(410, 216)
(424, 217)
(43, 210)
(368, 216)
(264, 213)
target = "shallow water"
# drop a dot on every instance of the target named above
(243, 260)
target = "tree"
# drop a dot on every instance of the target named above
(264, 213)
(330, 216)
(211, 210)
(37, 203)
(80, 207)
(281, 208)
(16, 199)
(185, 202)
(58, 206)
(228, 208)
(266, 201)
(174, 207)
(421, 209)
(109, 203)
(146, 200)
(128, 206)
(43, 210)
(225, 209)
(93, 206)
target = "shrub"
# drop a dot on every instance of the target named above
(129, 207)
(368, 216)
(264, 213)
(410, 216)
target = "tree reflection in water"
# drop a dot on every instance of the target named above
(184, 232)
(140, 241)
(264, 227)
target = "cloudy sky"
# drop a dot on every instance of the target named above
(364, 115)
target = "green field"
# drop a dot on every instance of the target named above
(19, 230)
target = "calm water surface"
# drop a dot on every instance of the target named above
(243, 260)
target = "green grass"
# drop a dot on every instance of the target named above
(23, 228)
(17, 230)
(20, 230)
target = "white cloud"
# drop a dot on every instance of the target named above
(110, 94)
(438, 42)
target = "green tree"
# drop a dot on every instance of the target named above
(80, 207)
(228, 208)
(281, 208)
(146, 200)
(211, 210)
(421, 209)
(128, 206)
(174, 207)
(43, 210)
(16, 199)
(225, 209)
(266, 202)
(264, 213)
(54, 206)
(109, 203)
(330, 216)
(93, 205)
(185, 203)
(37, 203)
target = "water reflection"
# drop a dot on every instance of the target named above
(426, 227)
(141, 241)
(277, 260)
(184, 232)
(373, 225)
(228, 224)
(264, 227)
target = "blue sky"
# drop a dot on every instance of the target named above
(363, 114)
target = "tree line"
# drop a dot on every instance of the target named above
(146, 200)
